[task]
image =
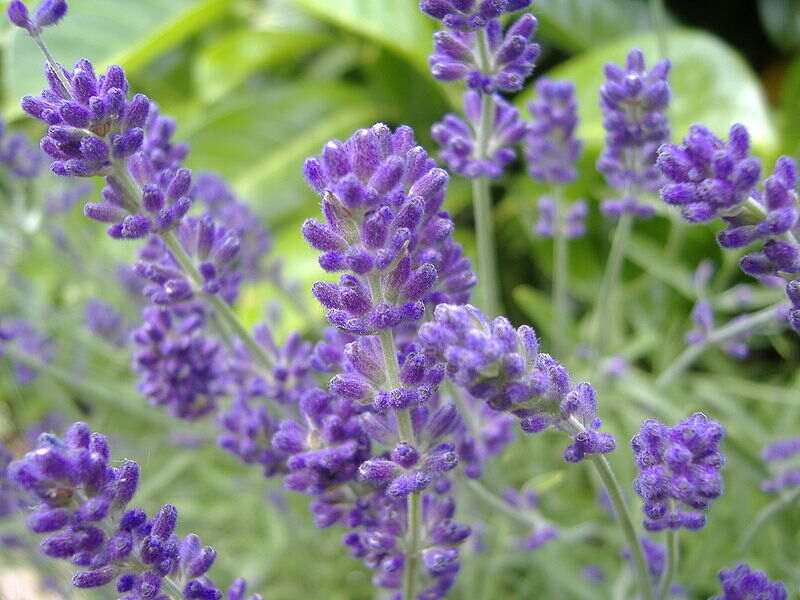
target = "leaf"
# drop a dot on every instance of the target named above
(259, 139)
(576, 25)
(537, 306)
(790, 108)
(710, 81)
(223, 65)
(396, 24)
(645, 253)
(106, 33)
(781, 19)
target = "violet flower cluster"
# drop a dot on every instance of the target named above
(26, 338)
(713, 179)
(742, 583)
(459, 142)
(80, 502)
(680, 471)
(781, 458)
(18, 156)
(633, 101)
(574, 221)
(504, 367)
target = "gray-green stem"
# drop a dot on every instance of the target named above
(611, 276)
(481, 195)
(561, 312)
(717, 336)
(671, 568)
(626, 525)
(405, 429)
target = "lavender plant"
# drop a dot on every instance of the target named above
(392, 421)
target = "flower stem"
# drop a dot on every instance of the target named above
(481, 196)
(603, 308)
(717, 336)
(673, 556)
(561, 312)
(623, 516)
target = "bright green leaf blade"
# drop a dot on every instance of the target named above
(396, 24)
(223, 65)
(259, 140)
(106, 34)
(710, 82)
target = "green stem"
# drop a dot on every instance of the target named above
(717, 336)
(412, 546)
(658, 15)
(481, 195)
(501, 505)
(561, 312)
(623, 517)
(673, 556)
(611, 276)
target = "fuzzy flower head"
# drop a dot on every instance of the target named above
(551, 148)
(469, 15)
(459, 144)
(679, 471)
(742, 583)
(488, 60)
(633, 101)
(18, 155)
(781, 457)
(23, 335)
(574, 223)
(381, 198)
(49, 12)
(503, 367)
(178, 365)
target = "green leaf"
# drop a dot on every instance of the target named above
(538, 308)
(396, 24)
(651, 258)
(710, 81)
(790, 109)
(576, 25)
(223, 65)
(781, 19)
(259, 140)
(106, 33)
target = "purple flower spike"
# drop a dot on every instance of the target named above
(178, 365)
(633, 101)
(679, 466)
(458, 143)
(382, 197)
(487, 60)
(469, 15)
(22, 334)
(551, 148)
(575, 222)
(18, 156)
(779, 456)
(79, 500)
(503, 367)
(742, 583)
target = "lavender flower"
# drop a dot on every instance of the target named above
(487, 60)
(458, 139)
(223, 206)
(49, 12)
(741, 583)
(527, 503)
(503, 367)
(80, 502)
(381, 200)
(785, 473)
(18, 156)
(489, 432)
(105, 321)
(29, 340)
(633, 101)
(10, 502)
(679, 466)
(214, 248)
(179, 366)
(468, 15)
(551, 148)
(575, 224)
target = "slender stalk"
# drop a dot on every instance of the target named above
(412, 546)
(659, 18)
(673, 556)
(561, 312)
(603, 308)
(404, 427)
(623, 516)
(717, 336)
(499, 504)
(481, 195)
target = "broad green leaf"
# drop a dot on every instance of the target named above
(781, 20)
(259, 139)
(396, 24)
(106, 33)
(710, 82)
(576, 25)
(223, 65)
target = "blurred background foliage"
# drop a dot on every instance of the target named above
(256, 86)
